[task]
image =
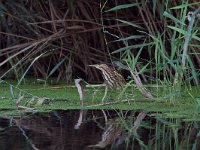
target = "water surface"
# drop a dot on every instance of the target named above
(96, 129)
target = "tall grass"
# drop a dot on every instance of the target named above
(164, 46)
(148, 37)
(61, 29)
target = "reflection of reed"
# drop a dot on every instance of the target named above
(82, 114)
(56, 131)
(36, 124)
(50, 131)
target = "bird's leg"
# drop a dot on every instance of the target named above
(105, 93)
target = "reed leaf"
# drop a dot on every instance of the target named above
(132, 47)
(129, 23)
(35, 59)
(132, 37)
(166, 14)
(185, 5)
(56, 67)
(124, 6)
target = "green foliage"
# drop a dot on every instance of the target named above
(66, 97)
(125, 6)
(152, 32)
(164, 46)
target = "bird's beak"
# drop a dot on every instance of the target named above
(92, 65)
(96, 66)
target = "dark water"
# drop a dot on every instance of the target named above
(96, 129)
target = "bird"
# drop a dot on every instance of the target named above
(113, 131)
(112, 79)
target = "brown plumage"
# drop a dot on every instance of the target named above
(112, 78)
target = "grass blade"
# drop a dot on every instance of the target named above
(132, 46)
(124, 6)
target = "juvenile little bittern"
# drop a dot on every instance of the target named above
(112, 78)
